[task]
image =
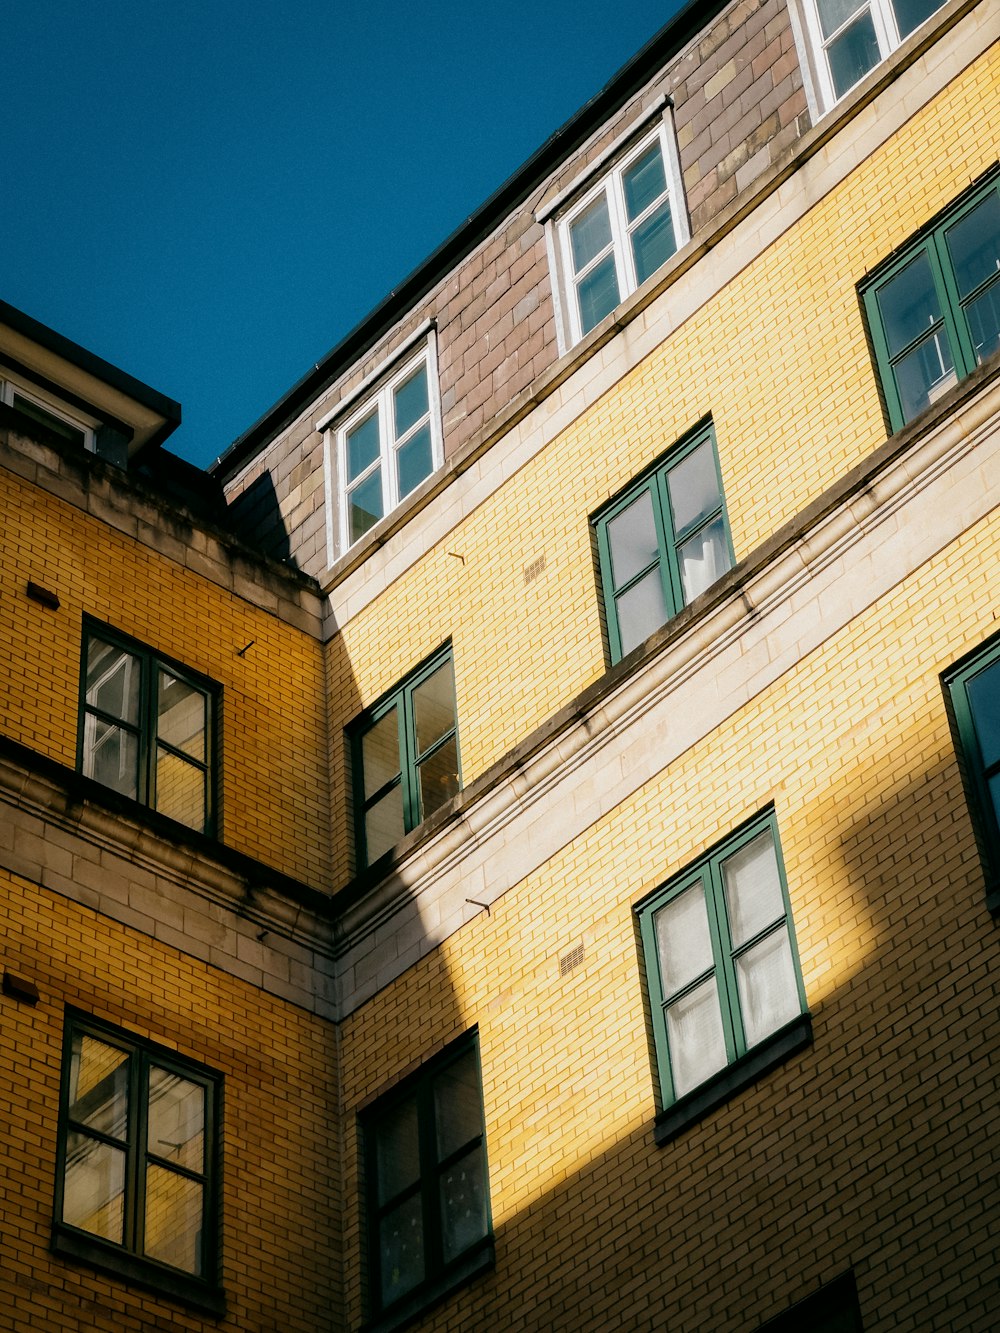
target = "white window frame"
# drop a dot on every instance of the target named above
(375, 393)
(886, 34)
(14, 384)
(609, 183)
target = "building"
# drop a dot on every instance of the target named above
(515, 845)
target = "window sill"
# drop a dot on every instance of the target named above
(176, 1286)
(787, 1041)
(414, 1306)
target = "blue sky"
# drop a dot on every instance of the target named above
(210, 194)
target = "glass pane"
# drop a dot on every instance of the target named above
(853, 54)
(695, 1037)
(48, 419)
(415, 461)
(983, 315)
(924, 374)
(113, 681)
(765, 976)
(384, 824)
(911, 13)
(908, 304)
(753, 889)
(693, 487)
(463, 1205)
(438, 778)
(457, 1108)
(181, 716)
(641, 610)
(434, 706)
(994, 787)
(644, 182)
(180, 790)
(94, 1187)
(590, 233)
(364, 505)
(653, 242)
(974, 245)
(174, 1207)
(176, 1124)
(380, 753)
(833, 14)
(683, 940)
(362, 446)
(410, 402)
(633, 540)
(401, 1250)
(98, 1086)
(703, 559)
(984, 701)
(397, 1151)
(111, 756)
(598, 293)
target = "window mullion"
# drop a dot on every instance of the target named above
(408, 759)
(390, 485)
(429, 1177)
(624, 263)
(135, 1166)
(670, 565)
(955, 319)
(722, 950)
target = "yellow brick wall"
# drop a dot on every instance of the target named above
(870, 1148)
(281, 1195)
(274, 791)
(779, 358)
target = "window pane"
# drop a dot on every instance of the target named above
(769, 997)
(644, 182)
(833, 14)
(93, 1187)
(438, 778)
(633, 539)
(362, 446)
(983, 315)
(36, 412)
(703, 559)
(695, 1037)
(911, 13)
(98, 1086)
(434, 706)
(463, 1205)
(397, 1152)
(364, 505)
(908, 304)
(174, 1207)
(401, 1249)
(111, 756)
(924, 374)
(598, 293)
(693, 487)
(384, 824)
(176, 1123)
(984, 701)
(994, 787)
(181, 719)
(458, 1115)
(180, 790)
(974, 245)
(414, 461)
(683, 940)
(590, 233)
(380, 753)
(113, 680)
(641, 610)
(753, 889)
(410, 401)
(853, 54)
(653, 242)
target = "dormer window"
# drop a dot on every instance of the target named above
(30, 400)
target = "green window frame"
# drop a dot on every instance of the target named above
(972, 689)
(427, 1197)
(933, 308)
(722, 971)
(138, 1162)
(663, 541)
(404, 757)
(148, 728)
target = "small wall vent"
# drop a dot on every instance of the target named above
(570, 960)
(532, 571)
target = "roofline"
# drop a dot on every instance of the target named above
(632, 76)
(94, 365)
